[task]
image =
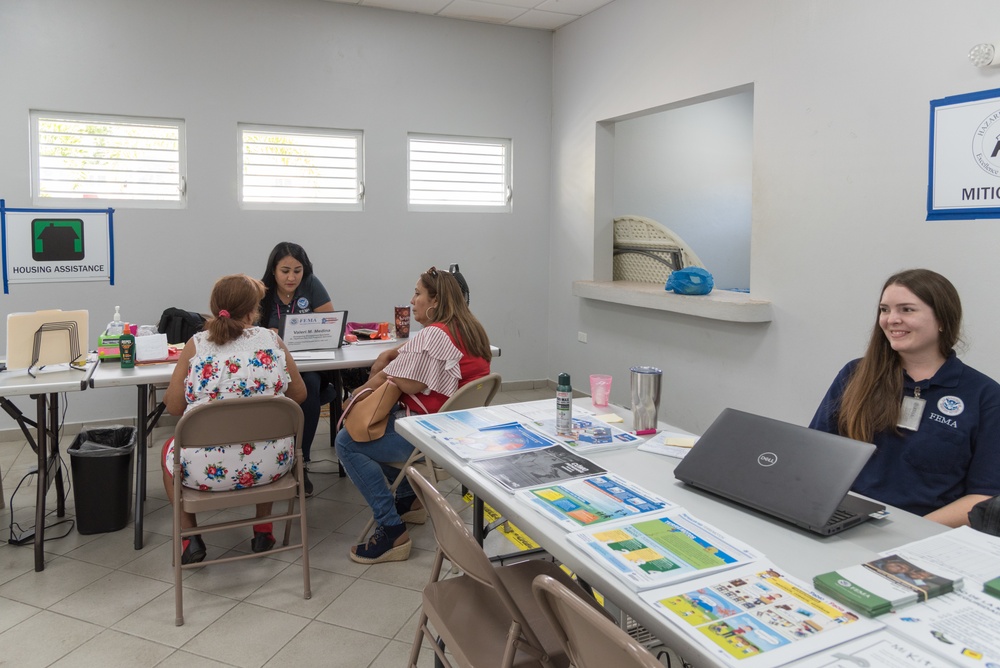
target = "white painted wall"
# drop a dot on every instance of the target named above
(691, 168)
(841, 92)
(310, 63)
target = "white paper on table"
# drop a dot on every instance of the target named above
(660, 444)
(881, 649)
(963, 626)
(757, 616)
(544, 409)
(963, 551)
(303, 355)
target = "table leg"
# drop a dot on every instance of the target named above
(141, 440)
(43, 483)
(53, 426)
(478, 519)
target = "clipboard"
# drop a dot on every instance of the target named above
(54, 344)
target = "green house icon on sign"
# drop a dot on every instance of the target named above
(57, 240)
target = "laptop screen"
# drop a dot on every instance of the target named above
(313, 331)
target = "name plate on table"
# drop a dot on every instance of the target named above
(313, 331)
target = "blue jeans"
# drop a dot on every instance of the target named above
(364, 464)
(310, 411)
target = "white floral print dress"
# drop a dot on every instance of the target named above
(252, 365)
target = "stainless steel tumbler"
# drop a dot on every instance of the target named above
(645, 396)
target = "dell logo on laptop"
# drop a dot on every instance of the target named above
(767, 459)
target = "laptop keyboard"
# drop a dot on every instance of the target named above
(839, 515)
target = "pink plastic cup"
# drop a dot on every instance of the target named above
(600, 389)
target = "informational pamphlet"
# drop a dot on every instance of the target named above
(887, 583)
(963, 627)
(537, 467)
(971, 554)
(881, 649)
(588, 434)
(671, 547)
(757, 615)
(591, 501)
(496, 440)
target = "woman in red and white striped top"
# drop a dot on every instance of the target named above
(451, 350)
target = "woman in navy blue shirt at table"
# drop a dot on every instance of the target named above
(934, 420)
(293, 288)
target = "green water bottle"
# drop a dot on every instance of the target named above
(126, 345)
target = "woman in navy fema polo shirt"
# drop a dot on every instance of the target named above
(293, 288)
(935, 421)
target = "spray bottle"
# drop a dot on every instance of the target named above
(126, 344)
(564, 406)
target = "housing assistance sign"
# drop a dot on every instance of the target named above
(56, 245)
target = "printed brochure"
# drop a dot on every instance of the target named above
(757, 615)
(537, 467)
(653, 551)
(591, 501)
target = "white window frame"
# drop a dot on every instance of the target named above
(322, 134)
(499, 181)
(171, 158)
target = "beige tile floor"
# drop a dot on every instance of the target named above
(99, 602)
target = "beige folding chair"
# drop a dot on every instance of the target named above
(590, 639)
(474, 394)
(487, 616)
(222, 423)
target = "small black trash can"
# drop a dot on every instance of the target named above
(101, 462)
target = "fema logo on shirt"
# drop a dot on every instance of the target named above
(302, 303)
(951, 405)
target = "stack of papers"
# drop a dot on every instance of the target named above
(885, 584)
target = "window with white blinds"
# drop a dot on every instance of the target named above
(294, 168)
(459, 173)
(137, 162)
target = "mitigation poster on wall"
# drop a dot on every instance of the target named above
(964, 174)
(56, 245)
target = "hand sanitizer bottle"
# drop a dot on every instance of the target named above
(116, 327)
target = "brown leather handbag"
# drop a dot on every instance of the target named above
(367, 414)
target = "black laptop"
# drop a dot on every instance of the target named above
(794, 473)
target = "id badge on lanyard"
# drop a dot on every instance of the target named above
(911, 411)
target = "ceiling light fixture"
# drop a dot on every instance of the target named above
(984, 55)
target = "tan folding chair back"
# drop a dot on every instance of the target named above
(487, 616)
(474, 394)
(591, 639)
(224, 423)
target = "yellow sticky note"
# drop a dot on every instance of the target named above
(681, 441)
(610, 417)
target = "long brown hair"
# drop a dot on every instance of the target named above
(871, 400)
(239, 295)
(452, 312)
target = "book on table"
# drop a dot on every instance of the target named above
(887, 583)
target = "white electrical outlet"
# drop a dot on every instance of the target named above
(581, 337)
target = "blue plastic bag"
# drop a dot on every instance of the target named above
(690, 281)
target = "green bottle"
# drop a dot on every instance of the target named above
(126, 345)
